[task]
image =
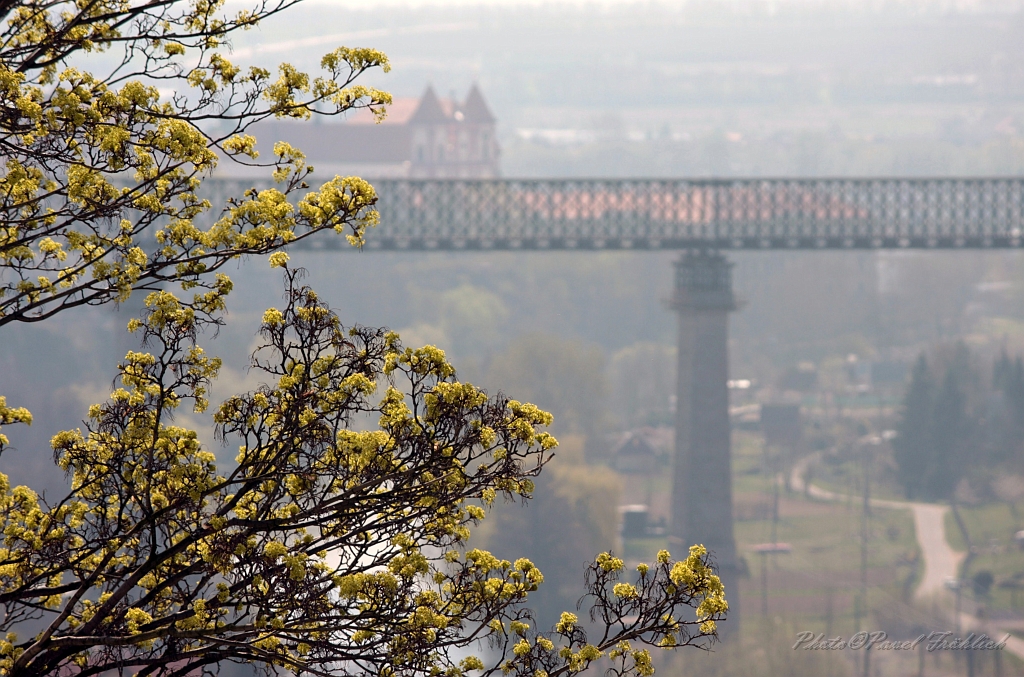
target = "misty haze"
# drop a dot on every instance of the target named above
(760, 260)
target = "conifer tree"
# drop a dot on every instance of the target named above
(912, 446)
(951, 437)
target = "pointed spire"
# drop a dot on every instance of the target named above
(430, 109)
(475, 108)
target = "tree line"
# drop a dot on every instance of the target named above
(957, 425)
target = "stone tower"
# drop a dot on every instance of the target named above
(702, 483)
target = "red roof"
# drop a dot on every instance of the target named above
(429, 109)
(399, 113)
(335, 142)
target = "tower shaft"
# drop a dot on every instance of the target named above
(702, 482)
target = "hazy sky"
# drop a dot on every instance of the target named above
(364, 4)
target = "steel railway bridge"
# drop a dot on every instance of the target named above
(703, 218)
(570, 214)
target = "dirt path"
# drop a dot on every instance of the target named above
(941, 562)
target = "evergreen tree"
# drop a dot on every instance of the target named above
(912, 445)
(936, 429)
(1008, 382)
(950, 435)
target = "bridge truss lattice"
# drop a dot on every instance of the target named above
(577, 214)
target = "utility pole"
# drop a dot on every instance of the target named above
(765, 549)
(829, 614)
(956, 610)
(775, 505)
(764, 585)
(865, 514)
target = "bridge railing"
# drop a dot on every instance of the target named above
(683, 213)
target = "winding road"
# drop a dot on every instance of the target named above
(941, 561)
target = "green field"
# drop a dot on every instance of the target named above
(991, 528)
(817, 586)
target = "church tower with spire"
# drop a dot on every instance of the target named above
(452, 139)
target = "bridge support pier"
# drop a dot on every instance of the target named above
(702, 482)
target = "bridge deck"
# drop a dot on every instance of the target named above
(573, 214)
